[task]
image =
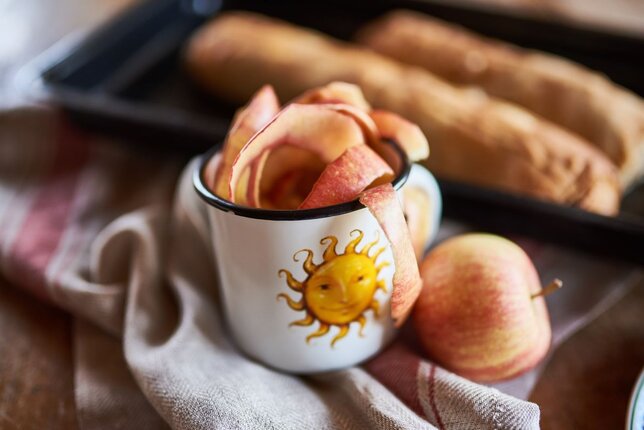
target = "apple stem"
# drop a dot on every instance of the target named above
(548, 289)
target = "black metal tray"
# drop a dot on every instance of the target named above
(126, 79)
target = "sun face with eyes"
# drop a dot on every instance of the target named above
(340, 290)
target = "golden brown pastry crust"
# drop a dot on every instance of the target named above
(473, 137)
(570, 95)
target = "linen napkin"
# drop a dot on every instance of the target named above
(117, 237)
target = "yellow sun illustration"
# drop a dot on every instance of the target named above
(340, 290)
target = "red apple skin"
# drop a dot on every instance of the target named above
(382, 201)
(346, 177)
(475, 315)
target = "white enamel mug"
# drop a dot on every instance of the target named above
(307, 291)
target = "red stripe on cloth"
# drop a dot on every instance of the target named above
(50, 212)
(432, 397)
(396, 369)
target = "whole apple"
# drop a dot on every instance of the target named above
(481, 313)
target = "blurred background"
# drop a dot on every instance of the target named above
(30, 26)
(625, 16)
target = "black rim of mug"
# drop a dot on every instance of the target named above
(286, 215)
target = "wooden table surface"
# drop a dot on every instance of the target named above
(586, 385)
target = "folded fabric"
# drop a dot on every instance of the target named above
(108, 234)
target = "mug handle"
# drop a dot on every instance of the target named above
(429, 204)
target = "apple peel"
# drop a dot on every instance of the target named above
(252, 187)
(407, 134)
(281, 164)
(362, 118)
(346, 177)
(382, 201)
(335, 92)
(315, 128)
(286, 191)
(263, 106)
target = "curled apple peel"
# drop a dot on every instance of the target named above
(335, 92)
(408, 135)
(357, 168)
(383, 204)
(315, 128)
(323, 149)
(247, 121)
(288, 177)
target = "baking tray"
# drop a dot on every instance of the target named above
(126, 79)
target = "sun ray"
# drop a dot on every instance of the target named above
(293, 283)
(351, 247)
(309, 266)
(296, 306)
(329, 252)
(344, 329)
(324, 329)
(306, 321)
(381, 285)
(375, 256)
(375, 307)
(382, 265)
(362, 321)
(367, 247)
